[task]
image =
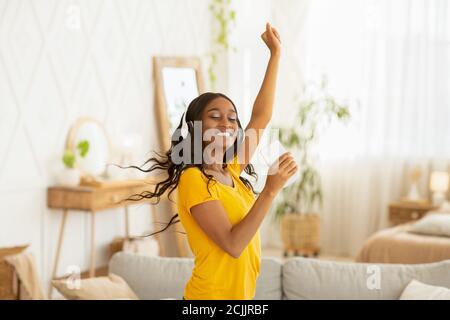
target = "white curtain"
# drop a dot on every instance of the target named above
(391, 61)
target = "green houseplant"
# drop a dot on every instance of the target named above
(296, 204)
(224, 20)
(70, 175)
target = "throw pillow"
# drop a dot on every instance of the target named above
(417, 290)
(101, 288)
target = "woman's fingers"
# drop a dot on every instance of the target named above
(291, 166)
(293, 171)
(281, 161)
(284, 156)
(271, 38)
(288, 164)
(264, 36)
(270, 31)
(275, 32)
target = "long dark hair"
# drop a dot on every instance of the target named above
(174, 170)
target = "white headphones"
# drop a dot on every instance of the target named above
(184, 126)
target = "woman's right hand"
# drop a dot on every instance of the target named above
(271, 38)
(279, 174)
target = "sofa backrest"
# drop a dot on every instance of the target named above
(317, 279)
(165, 277)
(296, 278)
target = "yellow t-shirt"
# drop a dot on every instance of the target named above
(216, 274)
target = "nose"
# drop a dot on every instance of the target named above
(225, 124)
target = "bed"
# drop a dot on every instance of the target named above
(397, 245)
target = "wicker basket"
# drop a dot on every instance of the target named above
(7, 273)
(300, 234)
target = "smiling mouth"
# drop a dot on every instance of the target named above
(224, 134)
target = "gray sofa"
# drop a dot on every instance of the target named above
(296, 278)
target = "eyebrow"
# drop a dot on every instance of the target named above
(217, 109)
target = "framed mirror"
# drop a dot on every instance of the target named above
(95, 162)
(178, 80)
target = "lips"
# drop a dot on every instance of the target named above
(225, 133)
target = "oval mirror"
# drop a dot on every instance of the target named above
(96, 158)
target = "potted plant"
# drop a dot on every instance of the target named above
(295, 208)
(70, 176)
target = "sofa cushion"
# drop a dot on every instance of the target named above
(152, 277)
(417, 290)
(165, 277)
(317, 279)
(268, 284)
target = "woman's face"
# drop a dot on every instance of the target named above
(219, 123)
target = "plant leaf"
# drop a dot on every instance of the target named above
(83, 147)
(68, 159)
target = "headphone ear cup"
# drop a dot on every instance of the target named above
(177, 134)
(188, 128)
(184, 132)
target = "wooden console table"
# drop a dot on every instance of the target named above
(92, 200)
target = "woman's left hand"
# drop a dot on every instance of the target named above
(271, 38)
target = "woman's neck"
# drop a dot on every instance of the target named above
(214, 161)
(218, 167)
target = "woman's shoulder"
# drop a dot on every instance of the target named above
(192, 176)
(190, 173)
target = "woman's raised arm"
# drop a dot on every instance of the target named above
(263, 105)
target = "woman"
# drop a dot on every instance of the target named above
(216, 206)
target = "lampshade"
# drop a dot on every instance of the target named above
(439, 181)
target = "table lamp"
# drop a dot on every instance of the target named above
(439, 186)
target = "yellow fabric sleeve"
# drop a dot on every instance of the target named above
(192, 188)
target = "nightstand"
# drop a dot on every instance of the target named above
(403, 212)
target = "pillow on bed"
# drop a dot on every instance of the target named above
(436, 224)
(417, 290)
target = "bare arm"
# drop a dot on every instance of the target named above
(213, 220)
(263, 105)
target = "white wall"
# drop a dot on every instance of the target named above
(60, 60)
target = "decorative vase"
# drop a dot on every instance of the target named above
(69, 177)
(300, 234)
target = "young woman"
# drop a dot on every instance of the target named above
(216, 206)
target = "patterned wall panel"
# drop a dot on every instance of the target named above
(62, 59)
